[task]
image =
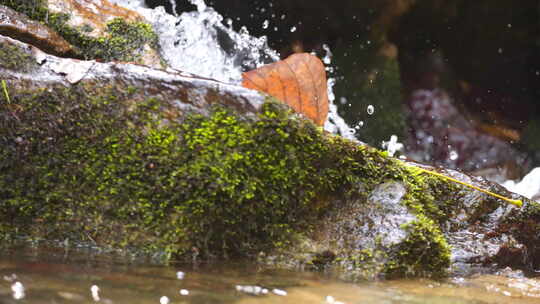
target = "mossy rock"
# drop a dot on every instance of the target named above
(125, 41)
(101, 169)
(13, 58)
(201, 168)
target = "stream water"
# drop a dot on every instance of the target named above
(80, 276)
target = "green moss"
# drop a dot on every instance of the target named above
(34, 9)
(124, 41)
(102, 173)
(424, 252)
(13, 57)
(97, 165)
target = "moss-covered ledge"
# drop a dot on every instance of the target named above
(156, 162)
(120, 40)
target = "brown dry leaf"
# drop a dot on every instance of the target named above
(299, 81)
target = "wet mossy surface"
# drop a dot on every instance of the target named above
(100, 168)
(94, 169)
(125, 41)
(425, 252)
(13, 58)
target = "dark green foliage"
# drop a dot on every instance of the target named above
(125, 41)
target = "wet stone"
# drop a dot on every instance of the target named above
(386, 214)
(18, 26)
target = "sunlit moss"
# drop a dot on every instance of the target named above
(123, 41)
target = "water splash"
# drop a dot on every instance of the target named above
(529, 186)
(173, 6)
(392, 146)
(198, 42)
(335, 123)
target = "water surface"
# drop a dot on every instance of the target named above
(58, 276)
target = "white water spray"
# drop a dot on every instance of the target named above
(198, 42)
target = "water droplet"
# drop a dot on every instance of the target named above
(370, 109)
(184, 292)
(180, 275)
(279, 292)
(265, 24)
(327, 59)
(293, 29)
(94, 290)
(18, 290)
(453, 155)
(164, 300)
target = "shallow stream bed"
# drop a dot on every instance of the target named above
(58, 276)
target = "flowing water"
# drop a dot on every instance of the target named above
(80, 276)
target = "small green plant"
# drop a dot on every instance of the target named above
(4, 87)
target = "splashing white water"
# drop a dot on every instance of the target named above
(392, 146)
(199, 43)
(529, 186)
(334, 123)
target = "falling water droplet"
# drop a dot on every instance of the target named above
(279, 292)
(265, 24)
(370, 109)
(94, 290)
(184, 292)
(18, 290)
(164, 300)
(453, 155)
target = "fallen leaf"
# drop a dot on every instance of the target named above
(299, 81)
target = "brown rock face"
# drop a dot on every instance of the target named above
(93, 14)
(18, 26)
